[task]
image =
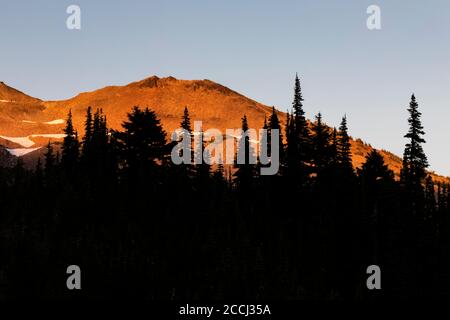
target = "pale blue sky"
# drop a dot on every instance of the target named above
(254, 47)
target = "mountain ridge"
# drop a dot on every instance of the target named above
(216, 105)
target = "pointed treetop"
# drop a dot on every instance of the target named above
(186, 120)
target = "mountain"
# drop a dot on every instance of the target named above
(25, 120)
(216, 105)
(11, 95)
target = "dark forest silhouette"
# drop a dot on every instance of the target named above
(141, 227)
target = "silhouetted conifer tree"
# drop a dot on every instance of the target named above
(202, 166)
(298, 140)
(344, 148)
(321, 148)
(187, 170)
(70, 147)
(274, 123)
(246, 170)
(87, 139)
(143, 143)
(375, 170)
(414, 159)
(186, 120)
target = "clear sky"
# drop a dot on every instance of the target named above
(254, 47)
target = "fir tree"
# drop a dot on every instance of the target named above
(415, 161)
(321, 150)
(70, 147)
(246, 170)
(219, 173)
(203, 158)
(299, 142)
(186, 125)
(274, 123)
(143, 142)
(301, 125)
(375, 170)
(344, 148)
(186, 121)
(334, 157)
(87, 139)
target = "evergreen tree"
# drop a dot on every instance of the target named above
(268, 140)
(99, 139)
(300, 123)
(321, 148)
(219, 173)
(334, 157)
(274, 123)
(298, 147)
(186, 125)
(87, 139)
(344, 148)
(143, 142)
(186, 120)
(374, 170)
(202, 168)
(245, 171)
(415, 161)
(70, 147)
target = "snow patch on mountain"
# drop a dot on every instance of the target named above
(23, 141)
(58, 121)
(26, 142)
(18, 152)
(53, 122)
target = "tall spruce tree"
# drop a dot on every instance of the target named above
(71, 145)
(87, 139)
(415, 161)
(299, 144)
(334, 159)
(99, 140)
(203, 159)
(321, 147)
(186, 125)
(344, 148)
(245, 171)
(186, 120)
(274, 124)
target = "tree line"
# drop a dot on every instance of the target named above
(142, 227)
